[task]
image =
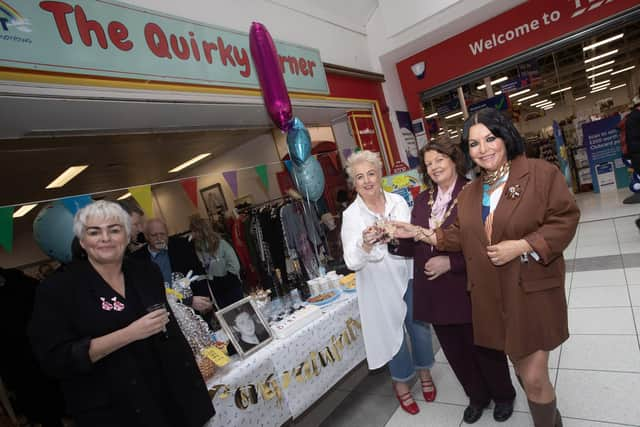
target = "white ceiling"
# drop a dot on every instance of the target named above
(353, 14)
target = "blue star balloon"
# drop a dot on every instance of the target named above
(299, 142)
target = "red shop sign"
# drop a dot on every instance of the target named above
(531, 24)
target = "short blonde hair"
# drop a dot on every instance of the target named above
(362, 157)
(102, 209)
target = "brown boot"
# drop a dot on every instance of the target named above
(545, 414)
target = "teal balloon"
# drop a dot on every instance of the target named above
(53, 231)
(309, 178)
(299, 142)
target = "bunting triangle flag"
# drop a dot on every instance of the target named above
(232, 179)
(346, 152)
(75, 203)
(190, 186)
(6, 228)
(143, 196)
(261, 170)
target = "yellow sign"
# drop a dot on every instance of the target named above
(175, 293)
(216, 356)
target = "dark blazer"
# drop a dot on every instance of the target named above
(518, 307)
(182, 256)
(444, 300)
(68, 314)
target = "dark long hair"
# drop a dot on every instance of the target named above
(450, 150)
(499, 126)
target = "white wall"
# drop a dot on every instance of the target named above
(260, 150)
(337, 43)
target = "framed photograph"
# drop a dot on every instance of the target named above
(243, 323)
(214, 200)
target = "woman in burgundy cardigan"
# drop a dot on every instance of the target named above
(440, 287)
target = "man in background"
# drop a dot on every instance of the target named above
(137, 224)
(174, 255)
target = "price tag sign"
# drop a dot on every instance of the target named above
(216, 356)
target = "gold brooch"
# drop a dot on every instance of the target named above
(514, 192)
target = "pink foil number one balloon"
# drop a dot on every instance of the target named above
(274, 89)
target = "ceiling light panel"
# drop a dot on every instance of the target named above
(623, 70)
(604, 64)
(66, 176)
(603, 42)
(604, 55)
(25, 209)
(189, 162)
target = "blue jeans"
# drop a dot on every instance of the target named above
(407, 360)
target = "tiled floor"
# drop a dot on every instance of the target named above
(596, 372)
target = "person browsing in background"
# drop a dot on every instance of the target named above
(137, 224)
(174, 255)
(384, 283)
(219, 260)
(513, 225)
(632, 139)
(103, 329)
(440, 294)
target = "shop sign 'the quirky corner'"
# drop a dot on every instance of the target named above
(118, 40)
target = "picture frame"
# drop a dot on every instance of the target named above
(214, 201)
(245, 326)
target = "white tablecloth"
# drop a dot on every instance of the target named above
(285, 378)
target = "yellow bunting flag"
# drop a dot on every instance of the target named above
(216, 355)
(142, 195)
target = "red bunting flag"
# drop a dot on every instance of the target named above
(190, 186)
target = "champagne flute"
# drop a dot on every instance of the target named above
(155, 307)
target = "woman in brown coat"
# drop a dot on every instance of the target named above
(440, 294)
(513, 225)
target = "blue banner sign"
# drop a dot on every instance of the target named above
(601, 139)
(119, 40)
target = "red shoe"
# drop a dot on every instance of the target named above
(429, 390)
(412, 407)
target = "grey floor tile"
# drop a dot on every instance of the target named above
(431, 414)
(318, 412)
(377, 382)
(631, 260)
(599, 263)
(362, 410)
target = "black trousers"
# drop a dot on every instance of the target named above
(482, 372)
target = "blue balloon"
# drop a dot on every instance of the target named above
(299, 142)
(53, 231)
(309, 179)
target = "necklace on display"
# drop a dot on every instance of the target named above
(490, 178)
